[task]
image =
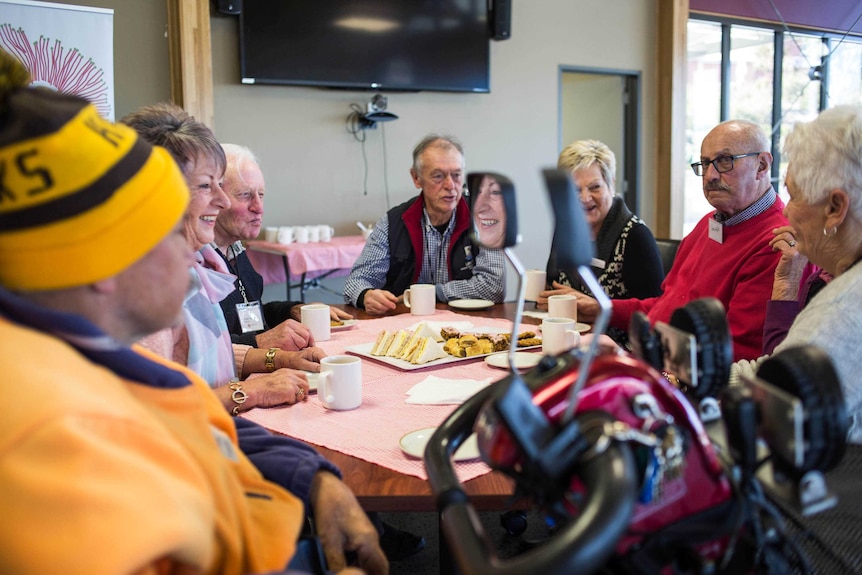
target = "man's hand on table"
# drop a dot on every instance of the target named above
(343, 526)
(379, 301)
(289, 335)
(335, 314)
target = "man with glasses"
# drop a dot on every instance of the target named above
(727, 255)
(426, 240)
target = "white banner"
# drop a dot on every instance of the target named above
(66, 48)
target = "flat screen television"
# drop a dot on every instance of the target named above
(395, 45)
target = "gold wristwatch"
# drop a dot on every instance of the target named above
(269, 364)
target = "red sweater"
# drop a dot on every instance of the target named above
(739, 272)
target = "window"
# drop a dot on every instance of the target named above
(734, 69)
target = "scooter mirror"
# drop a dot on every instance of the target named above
(492, 205)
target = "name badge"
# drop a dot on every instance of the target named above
(250, 316)
(716, 231)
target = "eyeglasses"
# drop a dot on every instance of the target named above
(721, 164)
(439, 177)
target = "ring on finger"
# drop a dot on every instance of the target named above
(792, 243)
(300, 394)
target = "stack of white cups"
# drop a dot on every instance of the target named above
(299, 234)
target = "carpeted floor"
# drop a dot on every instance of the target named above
(428, 561)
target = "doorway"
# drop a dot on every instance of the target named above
(602, 104)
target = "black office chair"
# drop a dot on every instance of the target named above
(667, 249)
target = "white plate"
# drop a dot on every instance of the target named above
(579, 327)
(473, 304)
(413, 444)
(364, 350)
(523, 360)
(348, 323)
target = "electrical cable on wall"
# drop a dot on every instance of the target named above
(355, 127)
(358, 121)
(385, 170)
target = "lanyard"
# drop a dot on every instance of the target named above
(231, 257)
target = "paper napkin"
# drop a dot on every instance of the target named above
(435, 390)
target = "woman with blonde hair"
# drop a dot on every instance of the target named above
(627, 262)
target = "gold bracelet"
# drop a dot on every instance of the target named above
(269, 364)
(238, 395)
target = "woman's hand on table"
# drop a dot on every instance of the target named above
(791, 264)
(289, 335)
(282, 386)
(379, 301)
(588, 307)
(343, 526)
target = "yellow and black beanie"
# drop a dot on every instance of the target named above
(81, 198)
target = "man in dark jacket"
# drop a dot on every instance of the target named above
(269, 325)
(426, 240)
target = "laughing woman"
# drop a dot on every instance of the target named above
(627, 264)
(202, 341)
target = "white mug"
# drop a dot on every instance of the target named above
(421, 299)
(301, 233)
(559, 335)
(315, 316)
(535, 284)
(339, 385)
(326, 232)
(270, 234)
(313, 234)
(563, 305)
(367, 232)
(285, 235)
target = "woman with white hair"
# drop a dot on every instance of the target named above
(824, 182)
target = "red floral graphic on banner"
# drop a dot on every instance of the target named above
(57, 67)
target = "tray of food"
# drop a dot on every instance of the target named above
(424, 347)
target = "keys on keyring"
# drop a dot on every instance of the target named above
(673, 450)
(665, 455)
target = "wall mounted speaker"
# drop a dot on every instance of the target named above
(230, 7)
(500, 17)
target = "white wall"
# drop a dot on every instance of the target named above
(314, 167)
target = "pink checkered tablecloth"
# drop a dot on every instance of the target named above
(334, 258)
(372, 432)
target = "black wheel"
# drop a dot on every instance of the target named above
(806, 372)
(706, 320)
(514, 522)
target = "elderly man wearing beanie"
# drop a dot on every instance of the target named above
(119, 461)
